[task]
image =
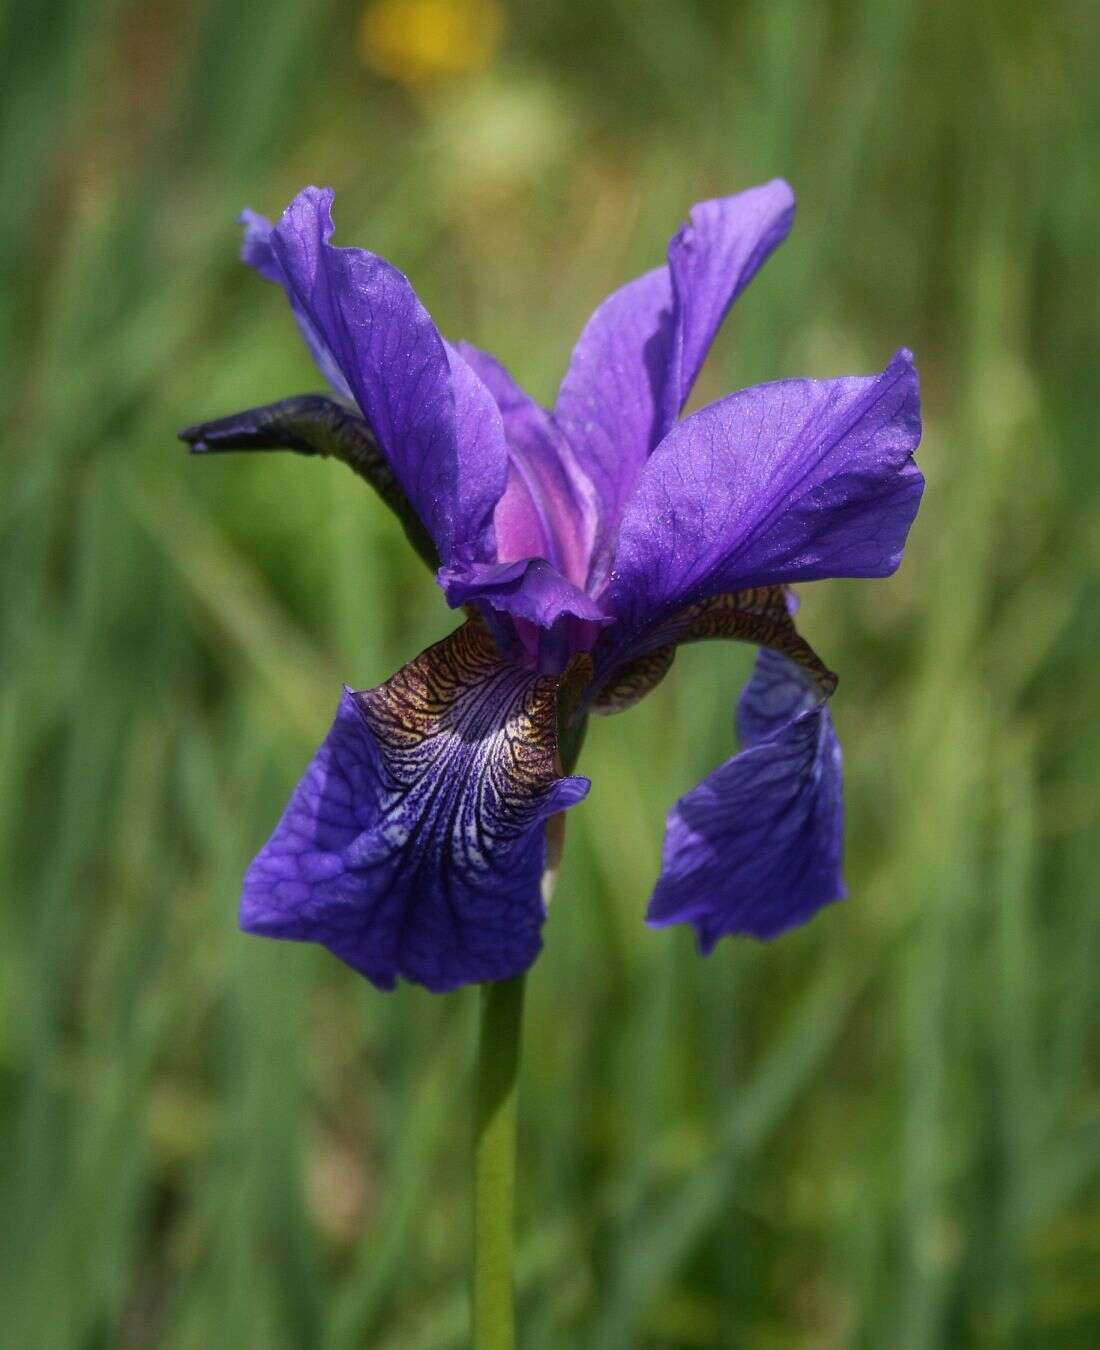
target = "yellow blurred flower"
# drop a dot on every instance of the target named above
(419, 42)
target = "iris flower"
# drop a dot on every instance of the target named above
(584, 544)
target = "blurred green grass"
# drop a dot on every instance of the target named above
(883, 1130)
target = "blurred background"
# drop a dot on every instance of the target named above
(882, 1130)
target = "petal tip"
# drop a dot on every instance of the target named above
(570, 791)
(258, 916)
(903, 360)
(312, 206)
(256, 241)
(783, 195)
(253, 221)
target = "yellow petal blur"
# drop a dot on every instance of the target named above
(419, 42)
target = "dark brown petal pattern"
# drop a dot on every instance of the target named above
(760, 615)
(415, 844)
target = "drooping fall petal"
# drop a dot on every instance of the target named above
(756, 848)
(414, 846)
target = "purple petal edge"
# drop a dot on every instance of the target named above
(756, 848)
(415, 843)
(640, 352)
(437, 424)
(257, 253)
(786, 482)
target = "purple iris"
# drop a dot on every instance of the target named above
(585, 543)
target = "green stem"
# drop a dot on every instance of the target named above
(495, 1164)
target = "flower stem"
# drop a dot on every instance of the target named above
(495, 1164)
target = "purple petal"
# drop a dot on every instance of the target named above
(481, 459)
(548, 509)
(435, 421)
(256, 252)
(552, 618)
(785, 482)
(639, 354)
(610, 403)
(414, 846)
(508, 393)
(713, 258)
(756, 848)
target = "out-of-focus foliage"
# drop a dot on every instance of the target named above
(883, 1130)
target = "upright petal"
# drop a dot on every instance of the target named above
(414, 846)
(510, 396)
(256, 251)
(712, 259)
(756, 848)
(481, 460)
(611, 401)
(785, 482)
(435, 421)
(639, 354)
(548, 509)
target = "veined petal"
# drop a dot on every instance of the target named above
(256, 251)
(757, 847)
(414, 846)
(548, 509)
(611, 401)
(785, 482)
(435, 421)
(481, 459)
(762, 616)
(509, 394)
(639, 354)
(712, 259)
